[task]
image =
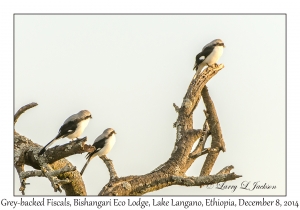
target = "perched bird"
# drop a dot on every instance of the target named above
(210, 54)
(103, 145)
(72, 128)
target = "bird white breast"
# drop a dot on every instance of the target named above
(80, 128)
(109, 144)
(215, 55)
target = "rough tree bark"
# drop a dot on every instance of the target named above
(63, 175)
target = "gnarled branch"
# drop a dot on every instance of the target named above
(26, 153)
(217, 143)
(172, 172)
(22, 110)
(109, 164)
(204, 180)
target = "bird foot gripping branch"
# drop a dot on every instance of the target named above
(209, 55)
(72, 128)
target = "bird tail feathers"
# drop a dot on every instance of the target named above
(195, 67)
(85, 165)
(199, 67)
(47, 146)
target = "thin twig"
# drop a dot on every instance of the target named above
(176, 107)
(110, 166)
(20, 170)
(22, 110)
(226, 170)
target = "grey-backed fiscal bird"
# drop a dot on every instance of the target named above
(72, 128)
(103, 145)
(210, 54)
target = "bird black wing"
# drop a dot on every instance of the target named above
(98, 145)
(67, 129)
(200, 57)
(64, 131)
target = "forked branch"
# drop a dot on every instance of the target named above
(59, 171)
(172, 172)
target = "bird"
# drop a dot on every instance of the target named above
(210, 54)
(72, 128)
(103, 145)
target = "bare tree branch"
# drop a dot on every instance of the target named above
(194, 134)
(184, 123)
(217, 143)
(61, 151)
(26, 153)
(110, 167)
(22, 110)
(27, 174)
(52, 175)
(200, 146)
(172, 172)
(204, 180)
(147, 183)
(213, 121)
(193, 93)
(20, 170)
(176, 107)
(226, 170)
(62, 174)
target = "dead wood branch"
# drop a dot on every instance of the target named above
(110, 167)
(62, 174)
(26, 153)
(172, 172)
(22, 110)
(217, 143)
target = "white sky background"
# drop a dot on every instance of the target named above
(129, 69)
